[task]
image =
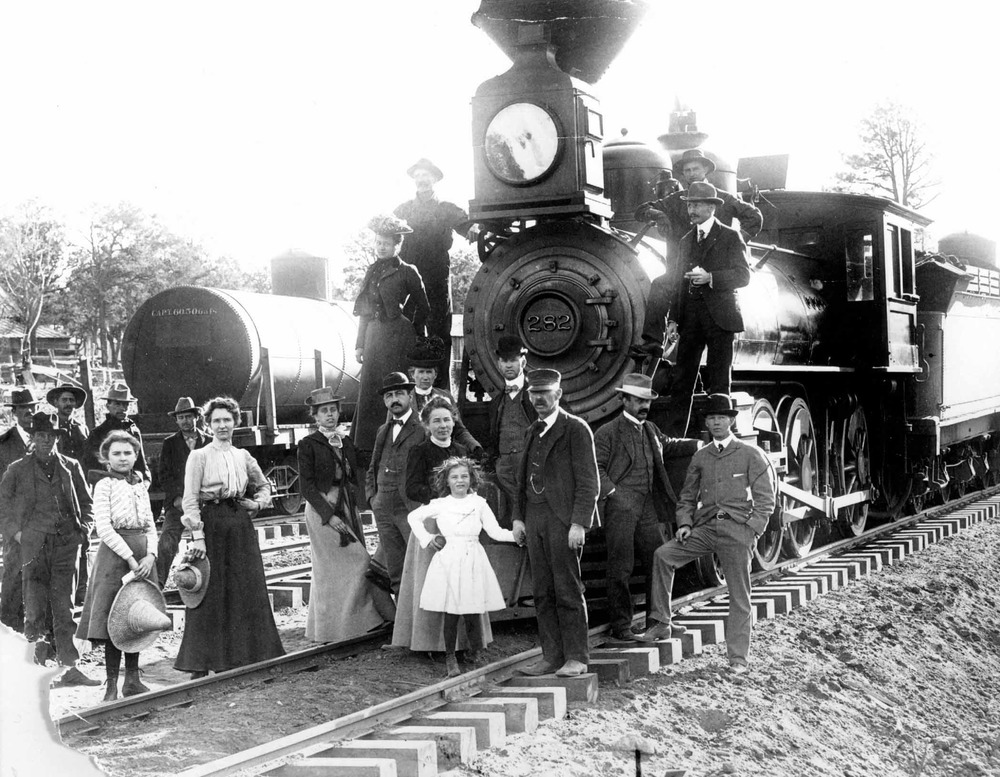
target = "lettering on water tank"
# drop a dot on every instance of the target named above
(183, 312)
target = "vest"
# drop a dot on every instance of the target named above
(639, 478)
(392, 465)
(534, 486)
(51, 514)
(514, 424)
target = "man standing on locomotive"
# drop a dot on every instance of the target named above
(433, 221)
(511, 414)
(558, 484)
(728, 496)
(703, 305)
(637, 493)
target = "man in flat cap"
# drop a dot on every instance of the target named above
(173, 459)
(433, 221)
(14, 444)
(728, 496)
(558, 484)
(638, 496)
(510, 414)
(117, 401)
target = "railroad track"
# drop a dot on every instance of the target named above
(442, 725)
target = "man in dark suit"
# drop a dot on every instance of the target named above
(14, 445)
(558, 485)
(703, 304)
(424, 359)
(118, 399)
(170, 475)
(639, 497)
(386, 479)
(510, 414)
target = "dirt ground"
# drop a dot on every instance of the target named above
(898, 674)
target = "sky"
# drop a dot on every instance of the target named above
(255, 129)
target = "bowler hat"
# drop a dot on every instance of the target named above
(637, 385)
(396, 380)
(509, 346)
(544, 379)
(119, 393)
(76, 391)
(428, 352)
(720, 404)
(21, 397)
(137, 615)
(322, 396)
(192, 580)
(388, 225)
(425, 164)
(185, 405)
(701, 191)
(694, 155)
(46, 422)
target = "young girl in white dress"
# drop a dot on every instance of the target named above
(460, 581)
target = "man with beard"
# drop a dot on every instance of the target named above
(637, 493)
(386, 481)
(46, 507)
(117, 399)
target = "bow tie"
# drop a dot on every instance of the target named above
(398, 421)
(512, 388)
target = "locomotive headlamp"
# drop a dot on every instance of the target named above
(522, 143)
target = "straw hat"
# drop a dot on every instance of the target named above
(137, 616)
(637, 385)
(192, 580)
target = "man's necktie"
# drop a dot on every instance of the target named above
(721, 447)
(700, 235)
(537, 427)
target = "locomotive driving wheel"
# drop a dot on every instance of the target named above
(803, 466)
(768, 547)
(852, 468)
(284, 478)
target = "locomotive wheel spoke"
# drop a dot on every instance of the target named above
(853, 469)
(803, 466)
(710, 571)
(768, 547)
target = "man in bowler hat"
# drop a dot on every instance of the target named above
(170, 472)
(117, 401)
(386, 480)
(728, 496)
(14, 444)
(638, 497)
(558, 485)
(46, 507)
(510, 415)
(433, 221)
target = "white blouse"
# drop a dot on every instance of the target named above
(121, 505)
(220, 471)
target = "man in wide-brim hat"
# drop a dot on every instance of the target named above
(117, 400)
(13, 445)
(170, 471)
(637, 496)
(727, 500)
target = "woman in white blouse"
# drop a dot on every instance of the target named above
(128, 542)
(233, 626)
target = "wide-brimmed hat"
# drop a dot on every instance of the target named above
(637, 385)
(137, 616)
(21, 398)
(388, 225)
(396, 380)
(425, 164)
(192, 580)
(720, 404)
(509, 346)
(76, 391)
(185, 405)
(544, 379)
(428, 352)
(702, 191)
(46, 422)
(119, 392)
(694, 155)
(322, 396)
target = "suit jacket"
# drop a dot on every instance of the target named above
(386, 287)
(12, 448)
(394, 453)
(494, 417)
(318, 474)
(173, 456)
(74, 443)
(572, 482)
(675, 223)
(17, 497)
(92, 454)
(723, 254)
(614, 461)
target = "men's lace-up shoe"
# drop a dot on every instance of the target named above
(659, 631)
(74, 676)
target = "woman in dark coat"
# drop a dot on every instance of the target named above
(233, 625)
(343, 603)
(385, 335)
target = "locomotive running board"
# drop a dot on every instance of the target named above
(827, 505)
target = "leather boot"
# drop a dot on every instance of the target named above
(132, 686)
(452, 665)
(111, 693)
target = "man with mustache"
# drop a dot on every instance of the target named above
(638, 497)
(385, 483)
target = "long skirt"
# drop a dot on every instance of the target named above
(418, 629)
(343, 603)
(105, 583)
(233, 626)
(387, 344)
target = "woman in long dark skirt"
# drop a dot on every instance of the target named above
(233, 626)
